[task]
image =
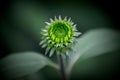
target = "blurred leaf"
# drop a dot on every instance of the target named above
(23, 23)
(17, 41)
(97, 68)
(22, 64)
(28, 17)
(94, 43)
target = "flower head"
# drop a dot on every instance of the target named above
(58, 35)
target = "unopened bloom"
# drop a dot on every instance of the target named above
(59, 35)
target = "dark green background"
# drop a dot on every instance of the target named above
(21, 22)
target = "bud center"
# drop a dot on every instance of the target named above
(60, 32)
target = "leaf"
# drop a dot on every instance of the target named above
(94, 43)
(22, 64)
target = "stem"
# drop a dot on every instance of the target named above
(70, 66)
(63, 73)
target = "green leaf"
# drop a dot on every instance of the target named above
(94, 43)
(21, 64)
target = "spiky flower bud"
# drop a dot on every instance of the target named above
(59, 35)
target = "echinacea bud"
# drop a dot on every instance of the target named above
(59, 35)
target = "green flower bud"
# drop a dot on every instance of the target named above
(59, 35)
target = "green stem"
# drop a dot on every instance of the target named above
(63, 73)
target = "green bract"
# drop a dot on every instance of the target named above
(58, 35)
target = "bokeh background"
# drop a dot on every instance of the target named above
(22, 20)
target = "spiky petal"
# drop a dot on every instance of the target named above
(59, 35)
